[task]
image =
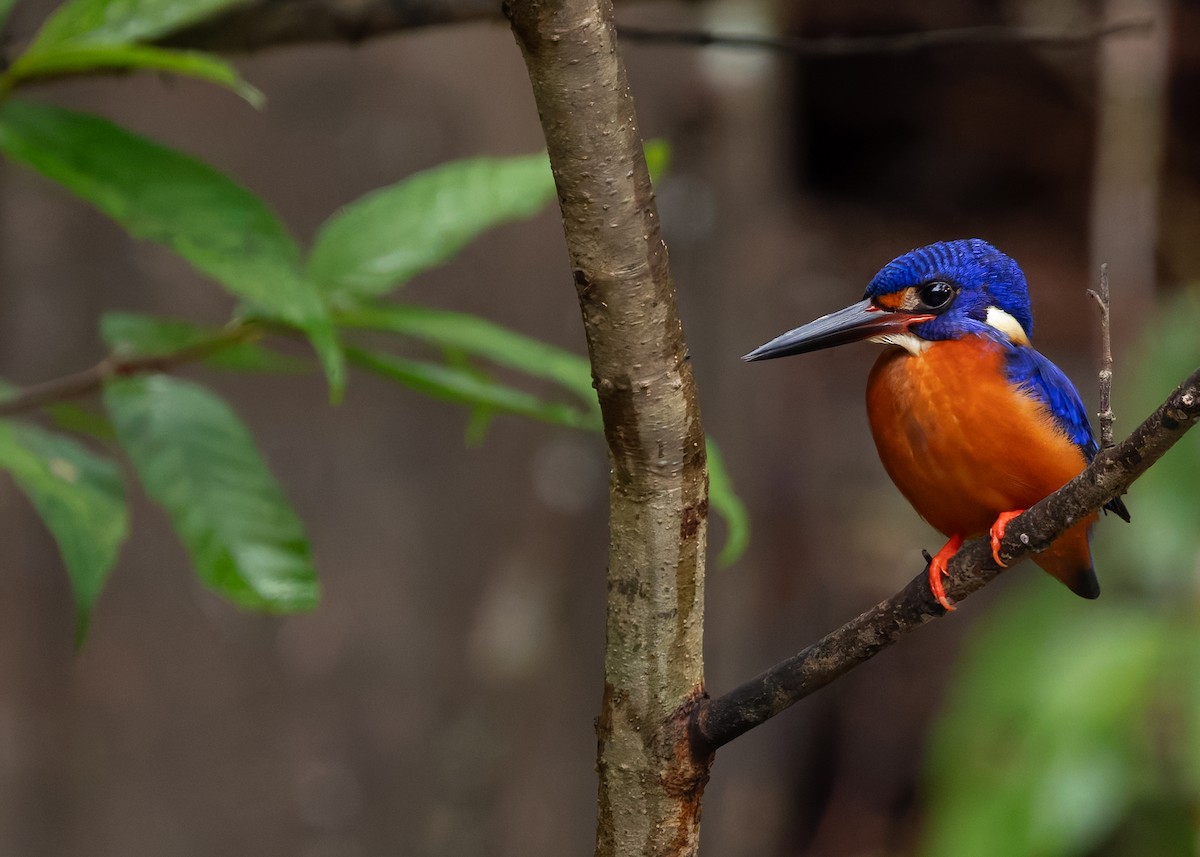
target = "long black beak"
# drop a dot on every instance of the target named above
(855, 323)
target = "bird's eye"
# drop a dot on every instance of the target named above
(936, 295)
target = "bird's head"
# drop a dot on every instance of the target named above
(943, 291)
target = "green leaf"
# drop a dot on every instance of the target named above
(82, 421)
(72, 59)
(197, 459)
(5, 9)
(658, 157)
(120, 22)
(165, 196)
(479, 337)
(383, 239)
(81, 498)
(477, 425)
(150, 336)
(725, 501)
(466, 387)
(482, 338)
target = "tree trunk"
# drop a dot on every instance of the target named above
(650, 786)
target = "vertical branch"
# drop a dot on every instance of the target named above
(1106, 359)
(650, 785)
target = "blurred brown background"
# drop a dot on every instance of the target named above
(440, 701)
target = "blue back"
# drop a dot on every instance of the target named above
(1035, 376)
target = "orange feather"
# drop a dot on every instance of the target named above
(963, 444)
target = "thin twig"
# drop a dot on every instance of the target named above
(259, 24)
(901, 43)
(1106, 360)
(716, 722)
(117, 365)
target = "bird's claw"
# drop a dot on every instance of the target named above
(997, 533)
(937, 570)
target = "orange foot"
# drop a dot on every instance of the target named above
(937, 570)
(997, 533)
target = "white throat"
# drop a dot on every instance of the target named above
(910, 342)
(996, 318)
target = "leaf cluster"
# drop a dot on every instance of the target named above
(187, 447)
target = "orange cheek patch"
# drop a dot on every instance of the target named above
(894, 301)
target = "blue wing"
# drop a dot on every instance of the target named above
(1036, 376)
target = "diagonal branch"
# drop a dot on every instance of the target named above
(716, 722)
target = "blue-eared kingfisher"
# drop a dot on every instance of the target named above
(972, 424)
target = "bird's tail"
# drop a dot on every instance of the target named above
(1070, 560)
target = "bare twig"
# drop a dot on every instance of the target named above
(117, 365)
(1106, 360)
(270, 23)
(716, 722)
(900, 43)
(261, 24)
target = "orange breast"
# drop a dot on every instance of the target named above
(960, 442)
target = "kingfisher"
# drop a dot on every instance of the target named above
(972, 424)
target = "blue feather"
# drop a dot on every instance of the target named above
(986, 276)
(1035, 376)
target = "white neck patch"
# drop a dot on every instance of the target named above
(1006, 324)
(910, 342)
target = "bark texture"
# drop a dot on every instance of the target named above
(650, 786)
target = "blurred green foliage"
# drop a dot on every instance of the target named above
(84, 36)
(187, 447)
(1073, 727)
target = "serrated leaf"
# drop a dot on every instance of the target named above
(165, 196)
(151, 336)
(465, 386)
(78, 59)
(81, 499)
(381, 240)
(482, 338)
(120, 22)
(196, 458)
